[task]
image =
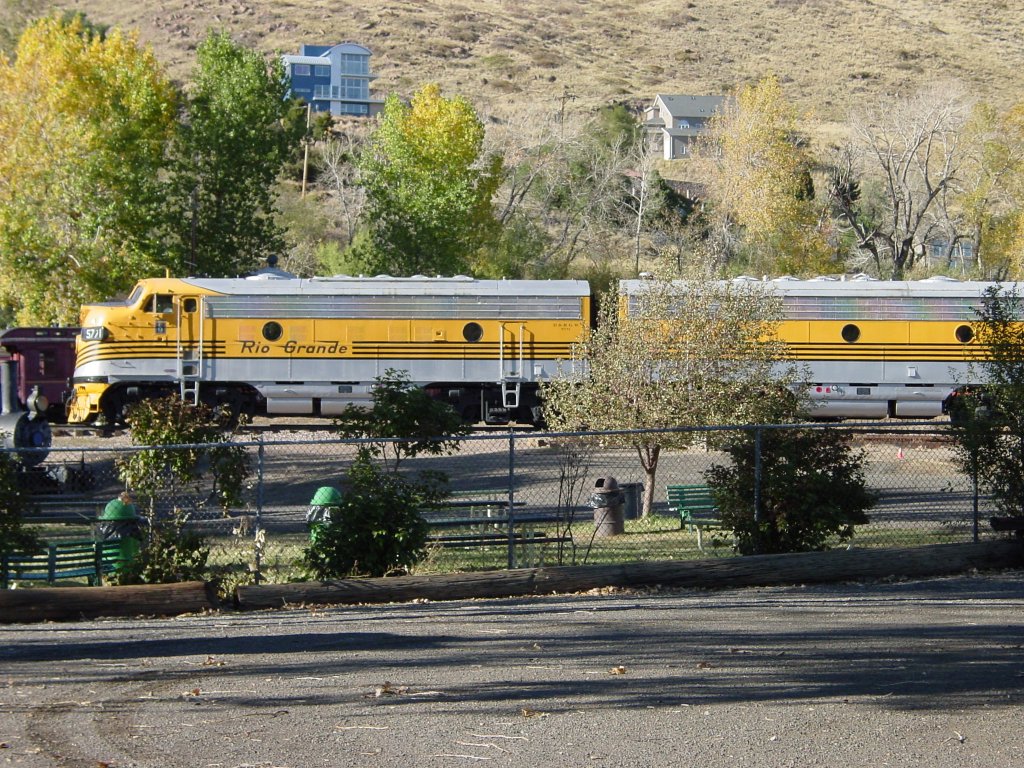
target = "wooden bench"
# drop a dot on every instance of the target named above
(62, 560)
(696, 508)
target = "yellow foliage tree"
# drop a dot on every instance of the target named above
(429, 186)
(85, 118)
(757, 177)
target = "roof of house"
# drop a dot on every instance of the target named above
(308, 52)
(689, 106)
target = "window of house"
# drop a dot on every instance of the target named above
(684, 124)
(355, 64)
(321, 91)
(300, 70)
(355, 109)
(321, 71)
(355, 88)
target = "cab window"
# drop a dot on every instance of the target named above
(135, 296)
(160, 304)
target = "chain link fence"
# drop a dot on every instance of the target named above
(518, 499)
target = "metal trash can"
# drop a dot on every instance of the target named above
(633, 505)
(607, 503)
(318, 515)
(119, 522)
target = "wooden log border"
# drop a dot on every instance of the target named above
(72, 603)
(760, 570)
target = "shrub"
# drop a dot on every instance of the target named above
(811, 490)
(170, 552)
(376, 527)
(13, 506)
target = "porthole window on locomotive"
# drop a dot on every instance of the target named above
(964, 333)
(272, 331)
(851, 333)
(472, 332)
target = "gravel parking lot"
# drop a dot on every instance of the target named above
(916, 673)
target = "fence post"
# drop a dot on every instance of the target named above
(757, 490)
(511, 499)
(974, 483)
(259, 534)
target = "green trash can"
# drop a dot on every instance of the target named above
(318, 515)
(119, 522)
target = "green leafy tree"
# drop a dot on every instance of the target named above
(988, 423)
(376, 527)
(168, 422)
(238, 131)
(811, 490)
(698, 353)
(14, 505)
(403, 422)
(85, 118)
(429, 189)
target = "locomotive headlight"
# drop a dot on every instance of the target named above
(95, 333)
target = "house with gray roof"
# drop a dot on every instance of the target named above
(674, 122)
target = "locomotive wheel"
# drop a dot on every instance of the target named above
(114, 408)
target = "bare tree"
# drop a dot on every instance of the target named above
(909, 147)
(562, 182)
(344, 198)
(642, 197)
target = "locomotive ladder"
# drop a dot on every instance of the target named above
(511, 384)
(190, 358)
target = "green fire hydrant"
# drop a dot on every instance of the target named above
(121, 523)
(325, 499)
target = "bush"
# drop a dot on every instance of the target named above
(812, 490)
(14, 503)
(376, 528)
(987, 423)
(169, 553)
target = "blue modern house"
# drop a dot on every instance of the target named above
(333, 78)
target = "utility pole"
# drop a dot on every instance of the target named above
(305, 154)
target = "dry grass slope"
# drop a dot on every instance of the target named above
(831, 55)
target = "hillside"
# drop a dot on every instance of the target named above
(831, 55)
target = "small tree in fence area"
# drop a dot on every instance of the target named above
(810, 490)
(404, 421)
(987, 423)
(691, 353)
(376, 527)
(164, 424)
(171, 550)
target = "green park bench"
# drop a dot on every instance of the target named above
(696, 508)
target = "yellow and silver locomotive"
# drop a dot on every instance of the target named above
(275, 344)
(873, 349)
